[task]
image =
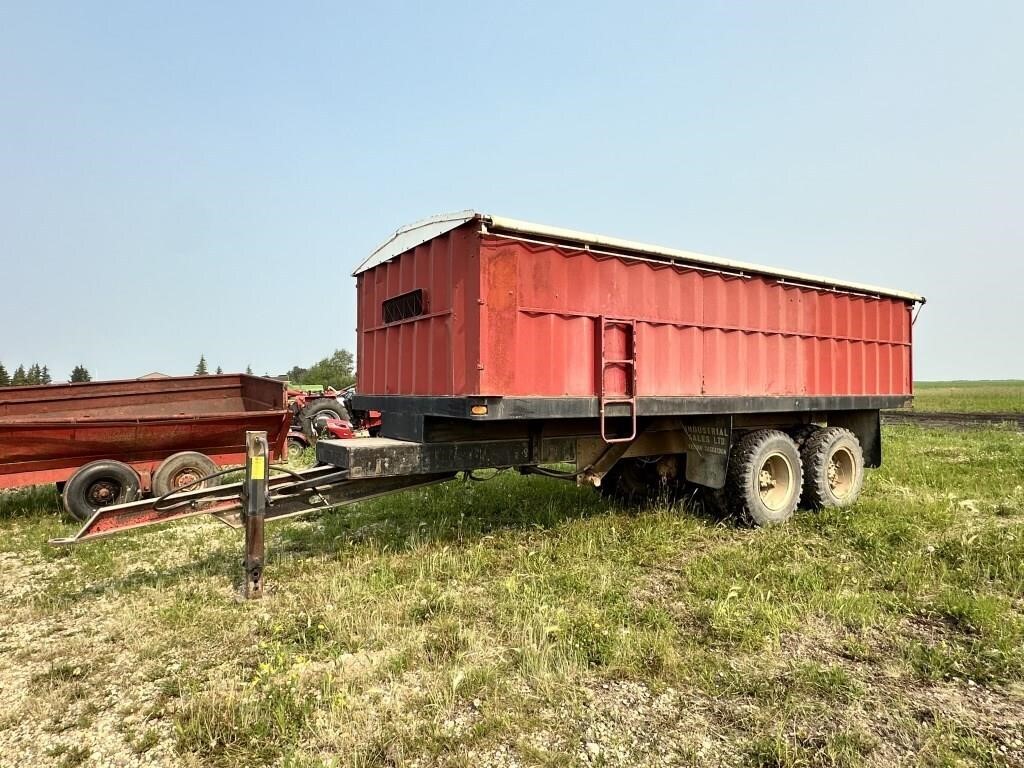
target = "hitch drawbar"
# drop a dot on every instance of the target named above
(357, 469)
(261, 497)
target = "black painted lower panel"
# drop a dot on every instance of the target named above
(508, 408)
(384, 457)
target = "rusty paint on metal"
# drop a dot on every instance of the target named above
(46, 433)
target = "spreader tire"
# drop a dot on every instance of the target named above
(182, 470)
(296, 448)
(833, 468)
(100, 484)
(764, 479)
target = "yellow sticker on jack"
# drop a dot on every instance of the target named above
(258, 468)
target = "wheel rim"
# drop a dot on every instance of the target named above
(841, 470)
(185, 477)
(103, 493)
(294, 450)
(775, 481)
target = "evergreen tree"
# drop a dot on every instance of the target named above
(248, 369)
(46, 378)
(35, 374)
(5, 377)
(19, 379)
(80, 373)
(219, 370)
(201, 368)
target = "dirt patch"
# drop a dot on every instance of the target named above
(947, 420)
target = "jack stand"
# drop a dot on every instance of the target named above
(254, 509)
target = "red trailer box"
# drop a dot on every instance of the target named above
(463, 309)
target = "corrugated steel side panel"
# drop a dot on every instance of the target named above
(699, 333)
(506, 317)
(433, 354)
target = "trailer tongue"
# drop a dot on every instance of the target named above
(250, 503)
(288, 495)
(360, 469)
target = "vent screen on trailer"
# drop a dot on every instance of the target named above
(404, 306)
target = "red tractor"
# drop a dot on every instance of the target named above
(326, 413)
(336, 429)
(311, 408)
(362, 421)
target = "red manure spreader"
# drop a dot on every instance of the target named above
(488, 342)
(166, 433)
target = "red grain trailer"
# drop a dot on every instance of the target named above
(491, 342)
(471, 323)
(110, 442)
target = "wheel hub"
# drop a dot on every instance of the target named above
(775, 481)
(185, 478)
(840, 472)
(103, 492)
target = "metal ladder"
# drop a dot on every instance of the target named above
(626, 362)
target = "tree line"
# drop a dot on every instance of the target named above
(335, 370)
(203, 370)
(37, 374)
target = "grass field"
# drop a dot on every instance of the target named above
(970, 396)
(526, 622)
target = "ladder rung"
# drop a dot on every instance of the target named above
(618, 404)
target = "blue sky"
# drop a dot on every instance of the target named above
(202, 178)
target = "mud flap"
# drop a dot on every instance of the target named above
(707, 455)
(866, 425)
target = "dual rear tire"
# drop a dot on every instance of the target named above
(770, 475)
(765, 477)
(833, 468)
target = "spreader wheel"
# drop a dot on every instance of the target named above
(833, 468)
(764, 479)
(296, 449)
(100, 484)
(184, 470)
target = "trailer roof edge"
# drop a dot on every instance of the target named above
(422, 231)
